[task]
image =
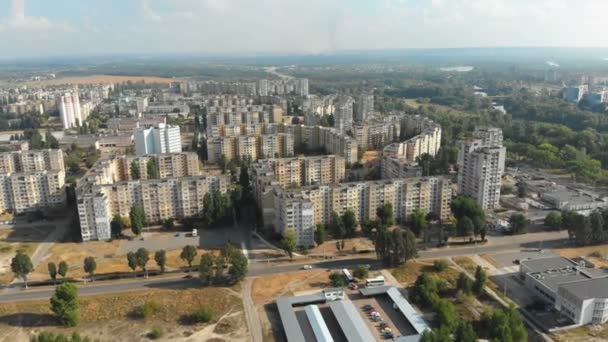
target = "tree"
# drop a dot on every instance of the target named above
(169, 224)
(138, 219)
(117, 226)
(446, 314)
(244, 178)
(238, 269)
(188, 254)
(52, 270)
(480, 280)
(337, 279)
(436, 335)
(349, 221)
(64, 304)
(465, 333)
(505, 325)
(336, 226)
(62, 269)
(360, 272)
(22, 265)
(553, 220)
(205, 268)
(90, 265)
(151, 169)
(419, 222)
(51, 141)
(464, 284)
(440, 265)
(321, 233)
(466, 206)
(160, 257)
(519, 224)
(465, 227)
(135, 174)
(385, 214)
(132, 260)
(220, 264)
(522, 190)
(395, 247)
(289, 242)
(142, 256)
(596, 222)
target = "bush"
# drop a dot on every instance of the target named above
(337, 279)
(148, 309)
(202, 315)
(440, 265)
(361, 272)
(155, 333)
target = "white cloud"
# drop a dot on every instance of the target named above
(18, 21)
(147, 11)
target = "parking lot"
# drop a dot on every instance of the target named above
(395, 321)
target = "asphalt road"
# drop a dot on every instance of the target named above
(549, 240)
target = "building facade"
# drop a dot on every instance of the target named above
(69, 110)
(160, 139)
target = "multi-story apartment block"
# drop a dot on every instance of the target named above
(365, 107)
(427, 140)
(160, 139)
(247, 147)
(481, 163)
(297, 214)
(69, 110)
(343, 114)
(276, 145)
(431, 194)
(31, 180)
(377, 133)
(109, 189)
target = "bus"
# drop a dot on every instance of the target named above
(349, 278)
(378, 281)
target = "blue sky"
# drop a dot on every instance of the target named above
(33, 28)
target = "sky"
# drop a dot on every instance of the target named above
(39, 28)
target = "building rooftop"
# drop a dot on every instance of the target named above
(554, 271)
(543, 264)
(590, 288)
(351, 322)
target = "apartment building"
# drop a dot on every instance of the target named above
(431, 194)
(31, 161)
(160, 139)
(109, 189)
(69, 110)
(343, 114)
(377, 133)
(276, 145)
(365, 107)
(428, 141)
(297, 214)
(481, 163)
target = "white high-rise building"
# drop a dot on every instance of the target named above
(365, 107)
(481, 163)
(343, 114)
(69, 110)
(160, 139)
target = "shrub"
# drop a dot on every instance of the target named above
(360, 272)
(155, 333)
(146, 310)
(337, 279)
(440, 265)
(202, 315)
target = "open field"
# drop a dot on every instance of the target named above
(589, 333)
(106, 318)
(14, 240)
(99, 79)
(407, 273)
(595, 254)
(329, 247)
(267, 288)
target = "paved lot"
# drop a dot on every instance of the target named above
(395, 320)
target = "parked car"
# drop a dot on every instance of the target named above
(383, 325)
(367, 307)
(307, 267)
(353, 286)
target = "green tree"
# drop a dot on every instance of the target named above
(419, 222)
(238, 269)
(480, 280)
(465, 227)
(440, 265)
(519, 224)
(160, 257)
(117, 226)
(135, 174)
(244, 178)
(138, 219)
(51, 141)
(321, 233)
(52, 270)
(464, 284)
(220, 264)
(337, 279)
(349, 221)
(465, 333)
(142, 256)
(446, 314)
(361, 272)
(336, 226)
(466, 206)
(205, 268)
(289, 242)
(436, 335)
(62, 269)
(64, 304)
(385, 215)
(188, 254)
(21, 265)
(169, 224)
(522, 190)
(90, 265)
(553, 220)
(132, 260)
(151, 169)
(395, 247)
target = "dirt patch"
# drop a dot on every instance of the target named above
(329, 247)
(466, 263)
(267, 288)
(105, 318)
(104, 79)
(408, 273)
(590, 333)
(595, 254)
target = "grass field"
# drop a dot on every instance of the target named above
(409, 272)
(106, 317)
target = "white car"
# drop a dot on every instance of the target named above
(307, 267)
